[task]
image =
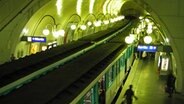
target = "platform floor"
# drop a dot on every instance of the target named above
(148, 85)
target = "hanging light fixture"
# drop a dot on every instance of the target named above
(147, 39)
(83, 27)
(73, 26)
(46, 31)
(129, 39)
(61, 32)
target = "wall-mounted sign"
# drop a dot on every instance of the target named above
(165, 64)
(33, 39)
(147, 48)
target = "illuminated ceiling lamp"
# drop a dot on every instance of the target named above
(73, 26)
(129, 39)
(147, 39)
(46, 32)
(141, 17)
(55, 34)
(97, 23)
(89, 23)
(83, 27)
(106, 22)
(61, 32)
(149, 31)
(58, 33)
(112, 20)
(150, 28)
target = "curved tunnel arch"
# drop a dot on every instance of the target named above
(141, 8)
(74, 19)
(166, 34)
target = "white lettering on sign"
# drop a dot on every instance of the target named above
(38, 39)
(146, 48)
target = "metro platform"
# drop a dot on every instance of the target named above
(148, 85)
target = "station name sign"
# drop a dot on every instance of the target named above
(33, 39)
(147, 48)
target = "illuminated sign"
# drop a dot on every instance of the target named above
(147, 48)
(51, 45)
(36, 39)
(165, 64)
(33, 39)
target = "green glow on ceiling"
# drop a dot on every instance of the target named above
(79, 7)
(59, 4)
(109, 7)
(114, 6)
(92, 2)
(105, 6)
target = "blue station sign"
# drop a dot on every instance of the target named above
(34, 39)
(147, 48)
(37, 39)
